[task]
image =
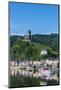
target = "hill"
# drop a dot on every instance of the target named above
(50, 40)
(21, 49)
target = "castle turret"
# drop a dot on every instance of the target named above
(29, 34)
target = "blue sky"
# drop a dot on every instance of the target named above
(39, 18)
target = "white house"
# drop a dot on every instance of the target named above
(44, 52)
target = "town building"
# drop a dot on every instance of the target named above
(44, 52)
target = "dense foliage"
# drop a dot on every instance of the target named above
(25, 50)
(50, 40)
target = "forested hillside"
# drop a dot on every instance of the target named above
(50, 40)
(20, 49)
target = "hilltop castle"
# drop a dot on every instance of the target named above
(28, 36)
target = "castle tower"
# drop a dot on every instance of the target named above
(29, 34)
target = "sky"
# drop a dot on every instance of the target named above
(39, 18)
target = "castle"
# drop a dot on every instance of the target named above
(28, 36)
